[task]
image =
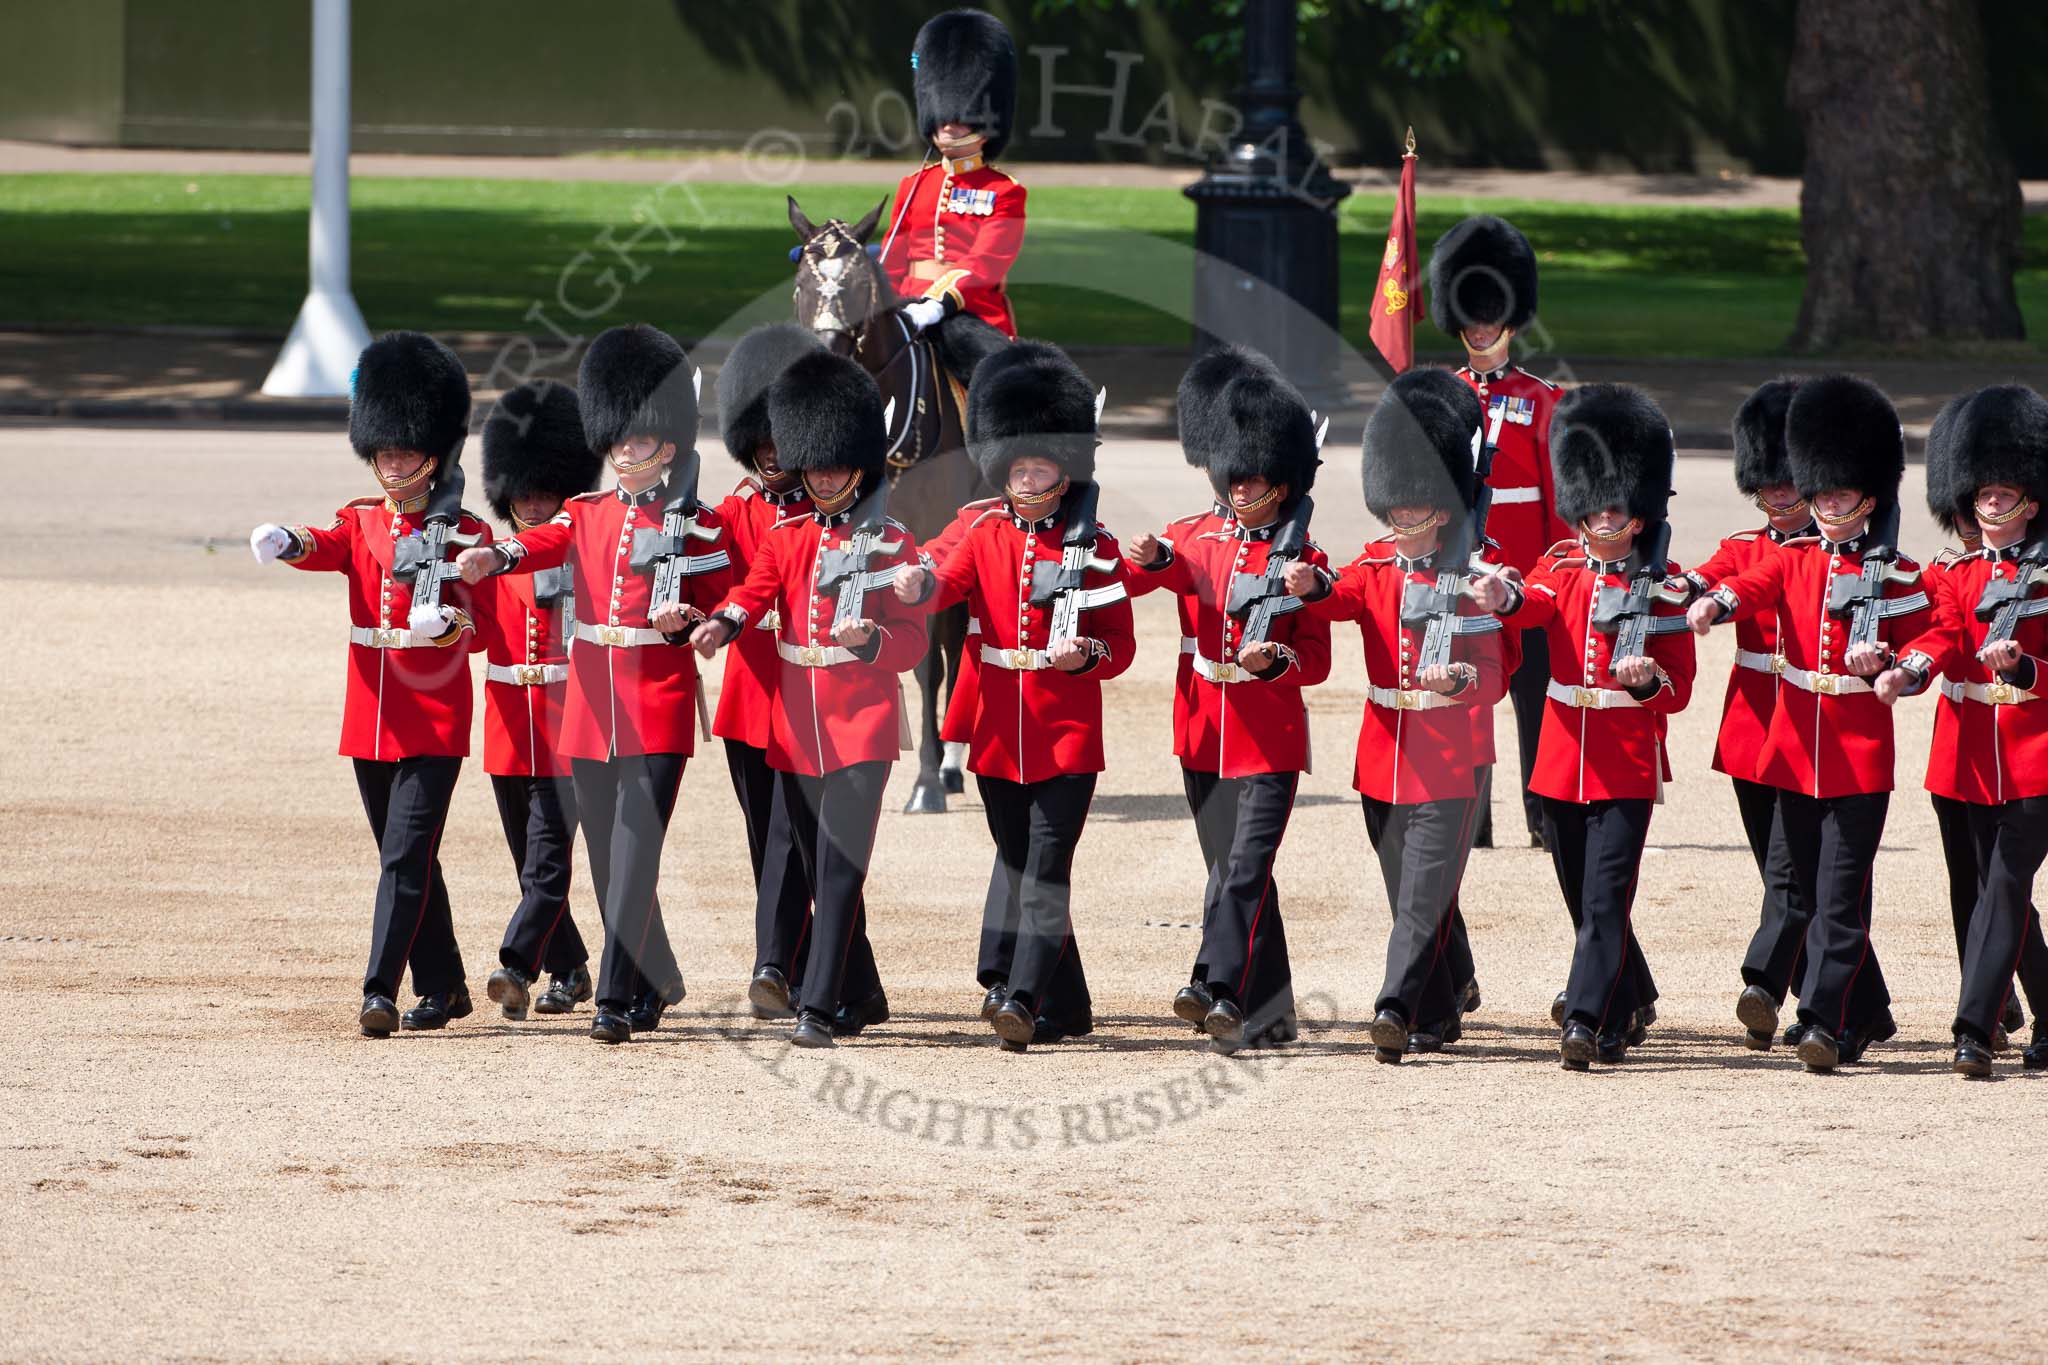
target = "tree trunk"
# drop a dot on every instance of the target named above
(1910, 210)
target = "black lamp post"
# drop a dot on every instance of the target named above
(1266, 220)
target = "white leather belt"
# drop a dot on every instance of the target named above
(815, 656)
(1502, 496)
(1824, 684)
(619, 637)
(1187, 644)
(1016, 660)
(1220, 673)
(1590, 698)
(373, 637)
(527, 675)
(1987, 694)
(1758, 662)
(1407, 698)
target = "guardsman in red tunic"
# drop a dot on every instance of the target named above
(1773, 964)
(1415, 772)
(958, 221)
(1482, 291)
(1048, 642)
(535, 458)
(1829, 747)
(1199, 386)
(1245, 742)
(1954, 509)
(1996, 447)
(768, 494)
(627, 728)
(405, 723)
(1602, 764)
(837, 717)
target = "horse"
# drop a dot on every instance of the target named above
(845, 297)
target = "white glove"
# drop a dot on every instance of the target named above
(432, 622)
(923, 312)
(268, 541)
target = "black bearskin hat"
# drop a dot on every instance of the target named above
(1760, 436)
(750, 369)
(824, 412)
(1200, 387)
(1610, 446)
(1482, 271)
(965, 71)
(1259, 426)
(1422, 444)
(1842, 432)
(533, 446)
(2000, 436)
(1949, 504)
(1031, 399)
(409, 393)
(636, 381)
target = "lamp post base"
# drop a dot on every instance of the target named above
(319, 357)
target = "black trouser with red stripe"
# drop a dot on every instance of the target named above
(2009, 842)
(832, 823)
(1422, 847)
(407, 802)
(782, 896)
(1965, 882)
(539, 816)
(1833, 842)
(1036, 827)
(1239, 822)
(1597, 848)
(1777, 951)
(625, 804)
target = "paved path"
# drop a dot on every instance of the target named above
(176, 378)
(1565, 186)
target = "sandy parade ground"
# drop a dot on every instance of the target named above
(202, 1159)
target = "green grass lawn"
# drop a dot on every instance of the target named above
(1101, 265)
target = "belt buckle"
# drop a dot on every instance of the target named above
(1020, 659)
(532, 675)
(1826, 684)
(385, 637)
(2000, 693)
(1585, 698)
(1227, 673)
(614, 636)
(1408, 699)
(811, 656)
(1777, 665)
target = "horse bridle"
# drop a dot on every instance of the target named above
(824, 266)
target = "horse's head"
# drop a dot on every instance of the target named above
(840, 288)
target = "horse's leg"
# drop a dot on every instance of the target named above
(952, 635)
(928, 795)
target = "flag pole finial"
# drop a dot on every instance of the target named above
(1410, 141)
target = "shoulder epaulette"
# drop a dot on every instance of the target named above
(1554, 388)
(1742, 537)
(983, 503)
(363, 502)
(1798, 541)
(594, 495)
(1564, 549)
(790, 520)
(1004, 174)
(1190, 519)
(985, 515)
(744, 490)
